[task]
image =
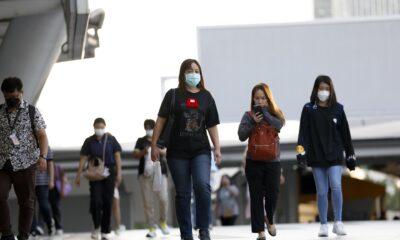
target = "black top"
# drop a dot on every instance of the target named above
(325, 135)
(141, 144)
(94, 147)
(194, 113)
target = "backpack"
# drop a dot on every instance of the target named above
(263, 142)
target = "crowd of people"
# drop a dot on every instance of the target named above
(177, 143)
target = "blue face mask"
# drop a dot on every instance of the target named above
(192, 79)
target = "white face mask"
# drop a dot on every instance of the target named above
(99, 132)
(149, 133)
(323, 95)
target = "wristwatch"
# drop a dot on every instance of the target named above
(41, 156)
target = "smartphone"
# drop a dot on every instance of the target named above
(257, 109)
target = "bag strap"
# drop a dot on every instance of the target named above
(32, 111)
(104, 148)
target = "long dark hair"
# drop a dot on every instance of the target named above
(185, 66)
(314, 94)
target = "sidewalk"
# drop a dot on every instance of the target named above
(366, 230)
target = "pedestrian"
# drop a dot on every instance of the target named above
(227, 204)
(103, 148)
(146, 182)
(261, 126)
(44, 182)
(189, 151)
(23, 150)
(62, 187)
(324, 142)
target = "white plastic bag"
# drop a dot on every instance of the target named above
(157, 180)
(148, 164)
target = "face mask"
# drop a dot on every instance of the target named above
(149, 133)
(323, 95)
(12, 102)
(192, 79)
(99, 132)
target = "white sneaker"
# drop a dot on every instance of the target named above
(107, 236)
(121, 228)
(323, 230)
(95, 234)
(164, 228)
(151, 234)
(59, 232)
(338, 228)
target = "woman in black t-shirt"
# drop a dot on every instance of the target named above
(323, 143)
(189, 151)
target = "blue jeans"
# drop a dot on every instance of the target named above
(323, 178)
(187, 174)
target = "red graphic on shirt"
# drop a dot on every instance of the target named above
(192, 103)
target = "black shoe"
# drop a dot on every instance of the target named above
(204, 234)
(8, 237)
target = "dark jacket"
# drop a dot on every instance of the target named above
(325, 135)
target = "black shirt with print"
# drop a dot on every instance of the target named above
(194, 113)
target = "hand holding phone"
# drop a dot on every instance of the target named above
(258, 110)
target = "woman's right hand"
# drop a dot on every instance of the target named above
(155, 153)
(257, 117)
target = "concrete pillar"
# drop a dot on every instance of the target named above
(31, 46)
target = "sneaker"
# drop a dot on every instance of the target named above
(338, 228)
(152, 233)
(323, 230)
(107, 236)
(59, 232)
(271, 229)
(164, 228)
(95, 234)
(39, 231)
(204, 234)
(121, 228)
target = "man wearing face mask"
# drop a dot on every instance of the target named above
(146, 182)
(106, 147)
(23, 147)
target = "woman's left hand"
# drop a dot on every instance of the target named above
(217, 156)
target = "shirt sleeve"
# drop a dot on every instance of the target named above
(116, 145)
(39, 121)
(85, 150)
(212, 117)
(166, 104)
(139, 144)
(346, 136)
(304, 125)
(274, 121)
(246, 124)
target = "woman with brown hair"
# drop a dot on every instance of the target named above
(188, 154)
(263, 168)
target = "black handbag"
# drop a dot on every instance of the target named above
(165, 136)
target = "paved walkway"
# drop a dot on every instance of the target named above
(368, 230)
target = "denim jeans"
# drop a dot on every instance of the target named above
(187, 174)
(324, 178)
(42, 197)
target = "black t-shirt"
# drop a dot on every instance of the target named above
(194, 113)
(141, 144)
